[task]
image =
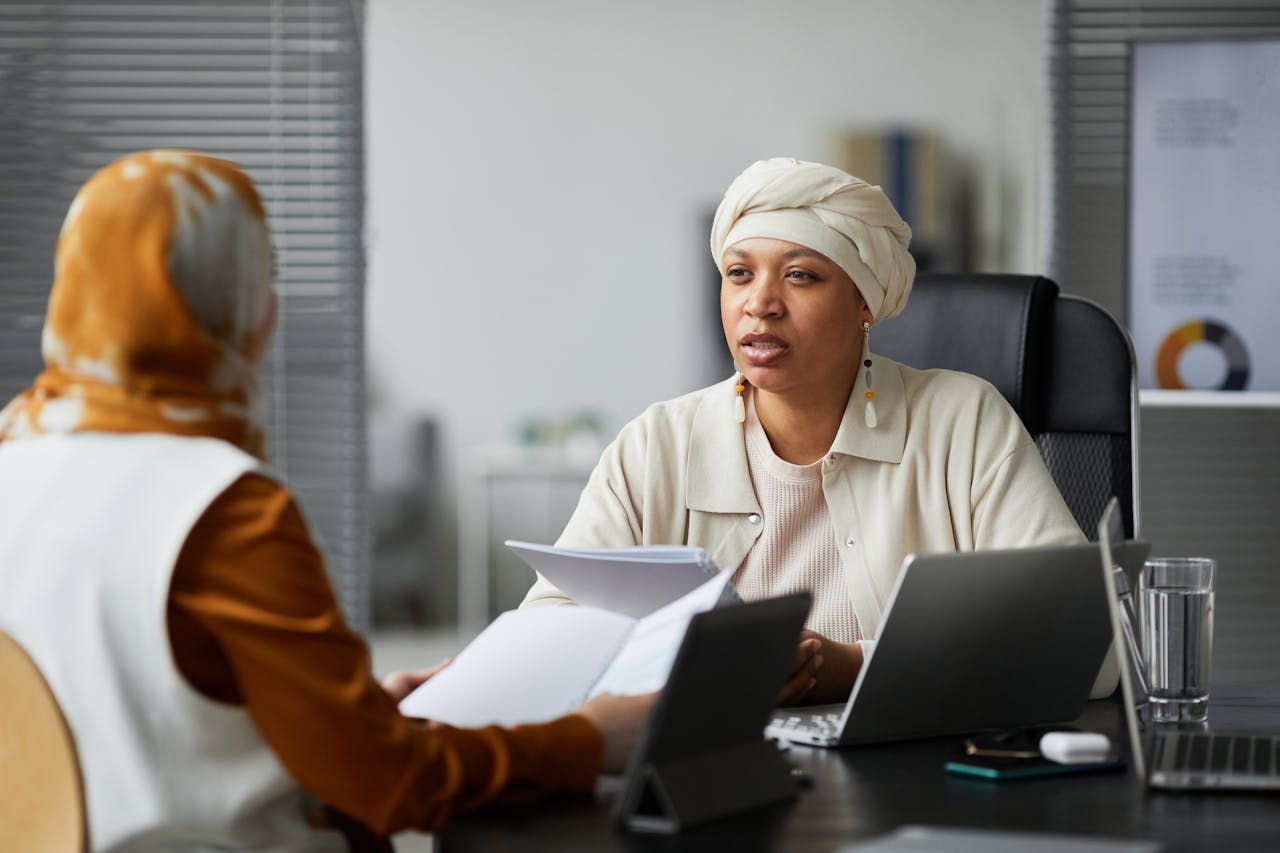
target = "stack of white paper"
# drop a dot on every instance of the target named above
(635, 580)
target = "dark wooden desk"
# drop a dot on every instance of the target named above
(862, 792)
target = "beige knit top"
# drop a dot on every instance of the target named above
(797, 549)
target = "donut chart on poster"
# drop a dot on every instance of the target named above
(1209, 332)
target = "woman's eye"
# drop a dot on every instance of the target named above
(737, 274)
(801, 276)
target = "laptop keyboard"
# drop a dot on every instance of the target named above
(1244, 755)
(821, 724)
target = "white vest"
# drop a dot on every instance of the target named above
(91, 526)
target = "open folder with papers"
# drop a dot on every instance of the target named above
(540, 663)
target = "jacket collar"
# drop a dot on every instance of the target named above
(718, 479)
(888, 440)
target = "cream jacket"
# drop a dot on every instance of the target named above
(948, 468)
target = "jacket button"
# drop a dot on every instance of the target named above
(833, 458)
(851, 542)
(754, 518)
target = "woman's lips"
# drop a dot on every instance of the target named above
(762, 350)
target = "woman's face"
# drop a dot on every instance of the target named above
(793, 320)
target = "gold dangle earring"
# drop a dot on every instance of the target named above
(739, 407)
(870, 413)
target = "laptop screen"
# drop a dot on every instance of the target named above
(1111, 540)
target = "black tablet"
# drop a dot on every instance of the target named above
(703, 754)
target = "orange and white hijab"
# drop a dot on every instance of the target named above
(160, 308)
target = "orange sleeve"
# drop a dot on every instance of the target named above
(253, 621)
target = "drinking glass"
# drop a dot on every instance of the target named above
(1177, 636)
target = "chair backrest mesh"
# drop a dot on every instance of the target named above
(1088, 468)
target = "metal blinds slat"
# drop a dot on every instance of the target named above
(275, 86)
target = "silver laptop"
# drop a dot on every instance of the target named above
(969, 642)
(1180, 758)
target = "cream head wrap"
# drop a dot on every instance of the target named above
(827, 210)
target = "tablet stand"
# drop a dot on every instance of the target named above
(674, 795)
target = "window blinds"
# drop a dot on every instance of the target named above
(275, 86)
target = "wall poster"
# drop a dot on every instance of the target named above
(1204, 214)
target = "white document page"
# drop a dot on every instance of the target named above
(634, 581)
(650, 651)
(528, 666)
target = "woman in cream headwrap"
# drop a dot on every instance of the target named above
(166, 584)
(820, 465)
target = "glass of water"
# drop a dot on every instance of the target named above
(1177, 636)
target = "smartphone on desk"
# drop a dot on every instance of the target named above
(1016, 755)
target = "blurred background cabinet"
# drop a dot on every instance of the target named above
(511, 492)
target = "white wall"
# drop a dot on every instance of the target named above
(540, 176)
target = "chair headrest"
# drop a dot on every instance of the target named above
(1007, 325)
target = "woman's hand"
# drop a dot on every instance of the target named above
(804, 674)
(400, 684)
(619, 719)
(825, 671)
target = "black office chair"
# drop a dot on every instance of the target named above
(1063, 363)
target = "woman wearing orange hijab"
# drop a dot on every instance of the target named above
(165, 582)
